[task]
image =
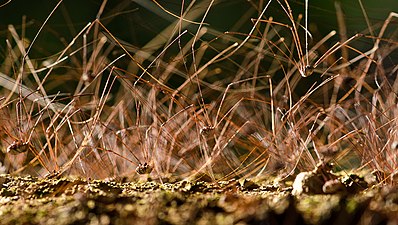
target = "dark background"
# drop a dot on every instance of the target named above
(137, 25)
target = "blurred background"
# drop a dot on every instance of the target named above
(137, 22)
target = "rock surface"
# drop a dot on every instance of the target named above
(30, 200)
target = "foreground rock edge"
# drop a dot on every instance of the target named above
(75, 200)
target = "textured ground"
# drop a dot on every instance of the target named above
(29, 200)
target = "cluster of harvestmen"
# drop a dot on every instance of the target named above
(205, 127)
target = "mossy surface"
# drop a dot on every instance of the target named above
(30, 200)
